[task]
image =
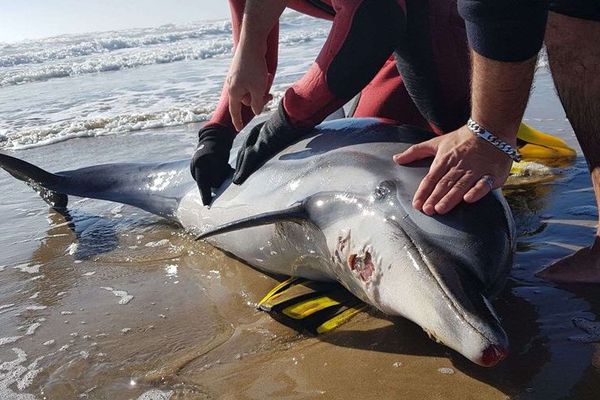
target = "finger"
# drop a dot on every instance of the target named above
(427, 185)
(245, 168)
(205, 191)
(455, 195)
(239, 162)
(235, 109)
(477, 192)
(246, 99)
(257, 103)
(444, 185)
(416, 152)
(193, 169)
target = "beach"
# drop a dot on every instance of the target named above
(110, 302)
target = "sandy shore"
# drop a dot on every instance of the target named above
(113, 303)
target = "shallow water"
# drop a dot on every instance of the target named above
(111, 302)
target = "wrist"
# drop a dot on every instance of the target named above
(482, 133)
(251, 45)
(505, 130)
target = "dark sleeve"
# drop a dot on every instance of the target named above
(505, 30)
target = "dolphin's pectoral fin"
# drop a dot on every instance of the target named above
(41, 181)
(315, 207)
(296, 212)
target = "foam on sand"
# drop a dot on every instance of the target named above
(125, 297)
(15, 372)
(156, 394)
(30, 269)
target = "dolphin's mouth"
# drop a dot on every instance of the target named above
(494, 348)
(493, 355)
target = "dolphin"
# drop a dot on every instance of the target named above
(334, 207)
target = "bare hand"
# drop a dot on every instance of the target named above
(248, 83)
(464, 168)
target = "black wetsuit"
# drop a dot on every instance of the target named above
(513, 30)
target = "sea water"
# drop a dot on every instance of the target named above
(108, 83)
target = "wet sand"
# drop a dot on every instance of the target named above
(114, 303)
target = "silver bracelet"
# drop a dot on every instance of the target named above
(486, 135)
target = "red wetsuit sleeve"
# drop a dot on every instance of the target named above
(354, 52)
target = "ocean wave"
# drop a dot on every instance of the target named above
(67, 47)
(115, 61)
(30, 137)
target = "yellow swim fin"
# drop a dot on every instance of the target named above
(315, 307)
(534, 144)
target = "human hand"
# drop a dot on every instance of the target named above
(264, 141)
(210, 163)
(464, 168)
(248, 82)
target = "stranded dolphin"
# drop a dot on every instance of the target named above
(335, 207)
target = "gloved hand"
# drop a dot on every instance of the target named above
(264, 141)
(209, 165)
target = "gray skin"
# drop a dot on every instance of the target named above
(335, 207)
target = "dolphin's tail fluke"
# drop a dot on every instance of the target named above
(43, 182)
(156, 188)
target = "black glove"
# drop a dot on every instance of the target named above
(264, 141)
(209, 165)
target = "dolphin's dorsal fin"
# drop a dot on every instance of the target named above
(297, 212)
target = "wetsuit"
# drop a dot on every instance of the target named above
(508, 30)
(424, 39)
(409, 56)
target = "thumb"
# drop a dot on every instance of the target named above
(257, 104)
(246, 99)
(417, 152)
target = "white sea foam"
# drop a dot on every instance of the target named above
(111, 62)
(171, 270)
(5, 306)
(156, 394)
(125, 297)
(30, 269)
(158, 243)
(14, 371)
(32, 328)
(114, 83)
(95, 57)
(34, 137)
(35, 308)
(75, 46)
(9, 339)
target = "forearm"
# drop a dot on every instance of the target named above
(500, 91)
(260, 16)
(505, 36)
